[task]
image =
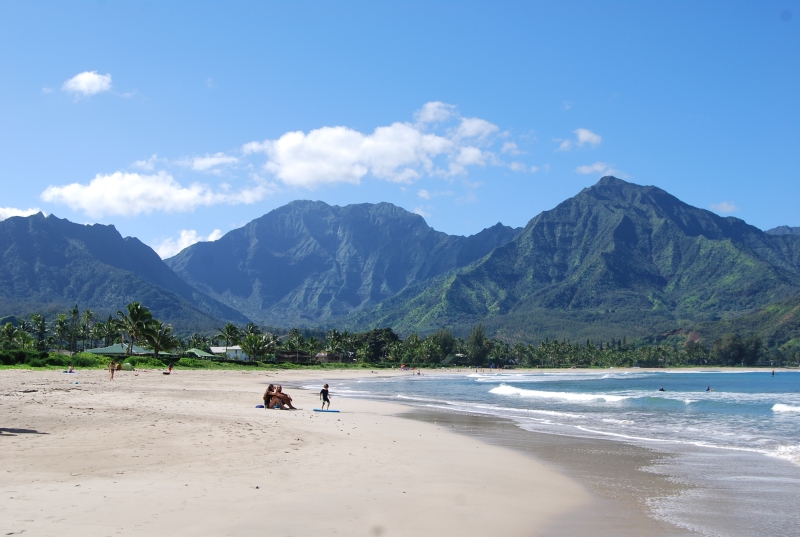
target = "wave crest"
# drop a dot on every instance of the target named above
(504, 389)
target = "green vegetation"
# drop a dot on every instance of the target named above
(26, 344)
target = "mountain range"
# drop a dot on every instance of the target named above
(50, 264)
(617, 259)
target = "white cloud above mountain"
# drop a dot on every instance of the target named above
(724, 207)
(87, 83)
(131, 194)
(170, 246)
(8, 212)
(583, 137)
(401, 152)
(602, 169)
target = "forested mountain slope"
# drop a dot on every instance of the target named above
(616, 259)
(50, 263)
(309, 262)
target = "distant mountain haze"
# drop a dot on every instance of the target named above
(308, 262)
(51, 263)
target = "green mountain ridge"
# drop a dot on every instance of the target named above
(617, 259)
(308, 262)
(49, 264)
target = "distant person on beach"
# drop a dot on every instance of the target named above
(72, 370)
(170, 368)
(111, 368)
(773, 372)
(325, 397)
(284, 397)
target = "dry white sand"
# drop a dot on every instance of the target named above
(188, 454)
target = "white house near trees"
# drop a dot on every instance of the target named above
(234, 352)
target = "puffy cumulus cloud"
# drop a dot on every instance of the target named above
(587, 137)
(435, 112)
(724, 207)
(600, 168)
(424, 194)
(169, 246)
(8, 212)
(401, 152)
(130, 194)
(510, 148)
(87, 83)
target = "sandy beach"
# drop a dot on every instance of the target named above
(188, 454)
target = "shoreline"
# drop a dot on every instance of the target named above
(153, 454)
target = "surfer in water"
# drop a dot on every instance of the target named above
(662, 389)
(708, 389)
(325, 397)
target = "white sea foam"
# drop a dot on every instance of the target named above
(789, 453)
(504, 389)
(780, 407)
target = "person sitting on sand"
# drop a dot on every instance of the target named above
(71, 369)
(285, 398)
(275, 398)
(268, 395)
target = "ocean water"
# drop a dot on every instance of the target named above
(733, 437)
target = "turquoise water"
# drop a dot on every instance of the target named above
(737, 445)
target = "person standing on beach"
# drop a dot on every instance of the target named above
(111, 368)
(325, 397)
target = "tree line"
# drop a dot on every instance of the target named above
(78, 330)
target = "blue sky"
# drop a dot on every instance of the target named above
(179, 121)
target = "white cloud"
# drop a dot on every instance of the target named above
(47, 90)
(582, 137)
(435, 112)
(146, 164)
(87, 83)
(602, 169)
(420, 211)
(208, 162)
(130, 194)
(400, 152)
(565, 145)
(169, 247)
(8, 212)
(473, 127)
(585, 136)
(518, 167)
(426, 195)
(724, 207)
(510, 148)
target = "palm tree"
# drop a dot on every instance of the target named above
(24, 340)
(251, 329)
(230, 334)
(160, 338)
(255, 345)
(40, 329)
(75, 315)
(137, 323)
(61, 329)
(86, 325)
